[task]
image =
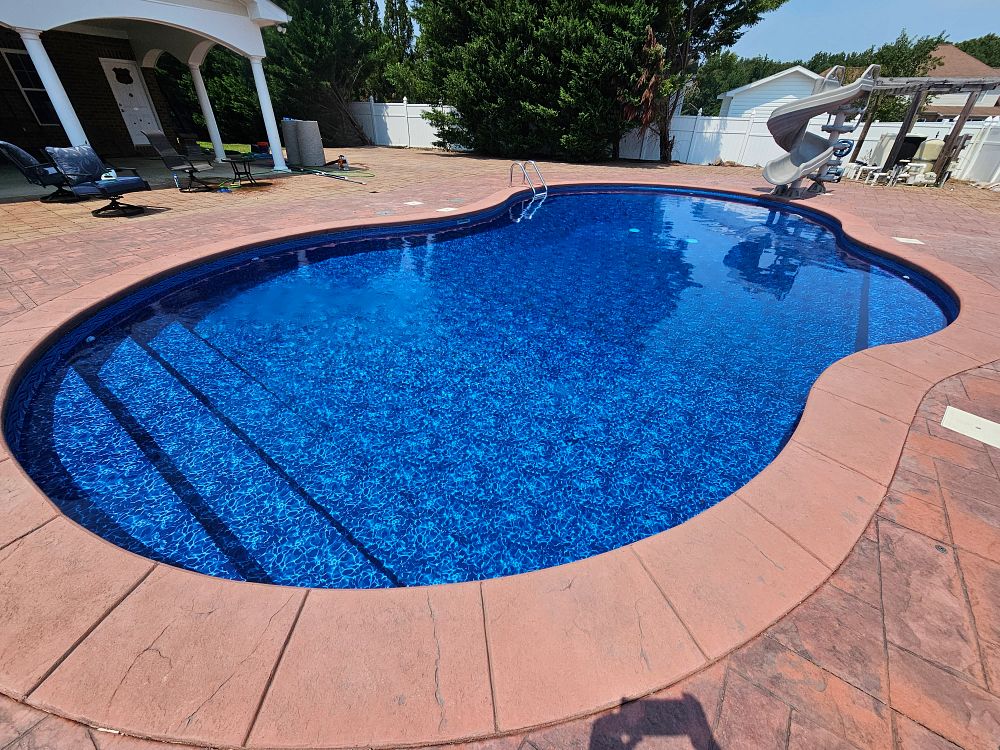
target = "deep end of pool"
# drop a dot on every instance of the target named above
(458, 400)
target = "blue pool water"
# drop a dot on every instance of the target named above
(421, 407)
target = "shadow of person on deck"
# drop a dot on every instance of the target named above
(644, 719)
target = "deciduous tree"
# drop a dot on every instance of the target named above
(984, 48)
(684, 34)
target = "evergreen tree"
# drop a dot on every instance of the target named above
(368, 13)
(527, 78)
(312, 70)
(398, 25)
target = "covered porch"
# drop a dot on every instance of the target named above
(82, 73)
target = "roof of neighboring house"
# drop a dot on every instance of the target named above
(794, 70)
(956, 63)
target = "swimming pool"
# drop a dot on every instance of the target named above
(448, 403)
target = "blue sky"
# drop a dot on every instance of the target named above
(802, 27)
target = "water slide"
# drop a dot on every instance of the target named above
(809, 152)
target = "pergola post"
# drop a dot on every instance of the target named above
(916, 102)
(949, 143)
(53, 87)
(207, 112)
(864, 131)
(267, 110)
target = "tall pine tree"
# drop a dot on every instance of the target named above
(368, 12)
(398, 25)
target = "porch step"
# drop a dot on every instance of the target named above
(125, 497)
(286, 539)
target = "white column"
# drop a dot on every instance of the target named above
(270, 124)
(207, 112)
(53, 87)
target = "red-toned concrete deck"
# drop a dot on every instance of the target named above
(898, 645)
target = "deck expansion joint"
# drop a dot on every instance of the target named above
(274, 670)
(86, 634)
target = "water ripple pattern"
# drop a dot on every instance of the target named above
(481, 400)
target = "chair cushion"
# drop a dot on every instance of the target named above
(80, 163)
(20, 158)
(107, 188)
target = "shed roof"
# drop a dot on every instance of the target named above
(794, 70)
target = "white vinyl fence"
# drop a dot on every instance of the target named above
(395, 124)
(746, 141)
(701, 140)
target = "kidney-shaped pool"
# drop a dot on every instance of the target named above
(458, 401)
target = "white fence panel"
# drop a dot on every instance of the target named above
(395, 123)
(747, 141)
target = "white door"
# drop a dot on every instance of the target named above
(129, 88)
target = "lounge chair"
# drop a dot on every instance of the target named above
(176, 162)
(82, 168)
(43, 175)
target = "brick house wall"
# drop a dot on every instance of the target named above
(76, 60)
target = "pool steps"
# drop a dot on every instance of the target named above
(170, 412)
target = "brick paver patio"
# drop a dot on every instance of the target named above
(899, 649)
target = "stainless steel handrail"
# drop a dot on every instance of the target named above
(524, 176)
(538, 173)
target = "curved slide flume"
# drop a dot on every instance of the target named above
(808, 152)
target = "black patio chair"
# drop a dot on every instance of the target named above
(176, 162)
(43, 175)
(82, 168)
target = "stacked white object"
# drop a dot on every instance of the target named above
(290, 135)
(310, 143)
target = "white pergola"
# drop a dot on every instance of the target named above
(186, 29)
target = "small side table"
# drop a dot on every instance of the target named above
(241, 168)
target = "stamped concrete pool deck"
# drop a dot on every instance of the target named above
(849, 596)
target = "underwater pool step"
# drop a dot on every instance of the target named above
(96, 495)
(307, 455)
(286, 538)
(281, 436)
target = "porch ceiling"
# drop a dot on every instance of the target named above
(234, 24)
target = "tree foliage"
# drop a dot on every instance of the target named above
(984, 48)
(905, 56)
(684, 34)
(393, 68)
(312, 71)
(530, 78)
(723, 72)
(398, 25)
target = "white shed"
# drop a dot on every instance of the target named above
(767, 94)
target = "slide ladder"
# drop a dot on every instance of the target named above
(811, 155)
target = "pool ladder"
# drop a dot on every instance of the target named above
(538, 195)
(522, 166)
